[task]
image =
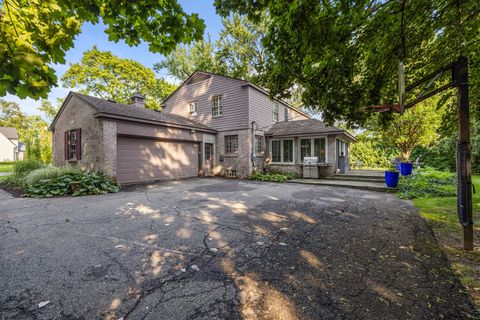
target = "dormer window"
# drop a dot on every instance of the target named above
(275, 111)
(192, 108)
(286, 114)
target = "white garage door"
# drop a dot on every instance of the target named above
(141, 160)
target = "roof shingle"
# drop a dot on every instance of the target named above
(308, 126)
(123, 110)
(9, 132)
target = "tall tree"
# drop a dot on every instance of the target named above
(50, 110)
(238, 53)
(105, 75)
(184, 60)
(240, 47)
(34, 34)
(417, 127)
(345, 53)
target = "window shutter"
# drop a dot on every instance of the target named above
(78, 148)
(66, 144)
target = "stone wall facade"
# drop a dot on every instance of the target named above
(239, 161)
(78, 115)
(109, 148)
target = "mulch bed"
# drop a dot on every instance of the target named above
(16, 193)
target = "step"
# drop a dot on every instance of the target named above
(357, 178)
(363, 185)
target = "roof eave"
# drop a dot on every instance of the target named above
(105, 115)
(311, 133)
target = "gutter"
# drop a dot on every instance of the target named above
(301, 134)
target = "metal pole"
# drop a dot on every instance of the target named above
(464, 166)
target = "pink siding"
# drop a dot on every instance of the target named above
(235, 102)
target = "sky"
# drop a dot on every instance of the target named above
(93, 35)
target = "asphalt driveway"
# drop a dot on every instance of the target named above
(223, 249)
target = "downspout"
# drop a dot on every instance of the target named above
(254, 156)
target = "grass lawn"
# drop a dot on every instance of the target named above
(6, 166)
(441, 214)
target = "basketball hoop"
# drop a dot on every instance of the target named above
(383, 108)
(401, 88)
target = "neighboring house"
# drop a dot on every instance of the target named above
(10, 148)
(210, 125)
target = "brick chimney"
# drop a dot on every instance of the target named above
(137, 101)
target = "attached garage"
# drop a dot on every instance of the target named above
(140, 159)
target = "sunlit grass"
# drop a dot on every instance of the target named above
(6, 167)
(441, 215)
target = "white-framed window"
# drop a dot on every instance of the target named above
(286, 113)
(282, 151)
(192, 108)
(314, 147)
(217, 106)
(231, 144)
(258, 144)
(275, 111)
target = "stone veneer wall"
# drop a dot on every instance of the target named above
(109, 147)
(76, 114)
(240, 161)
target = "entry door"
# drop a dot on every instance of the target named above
(208, 160)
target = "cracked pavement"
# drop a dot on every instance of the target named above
(223, 249)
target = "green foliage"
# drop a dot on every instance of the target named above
(238, 52)
(427, 184)
(48, 172)
(49, 110)
(272, 177)
(105, 75)
(22, 168)
(442, 155)
(345, 54)
(371, 151)
(416, 127)
(60, 182)
(36, 34)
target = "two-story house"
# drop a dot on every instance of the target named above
(211, 125)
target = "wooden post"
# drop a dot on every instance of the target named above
(464, 165)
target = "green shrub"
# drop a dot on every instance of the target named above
(21, 168)
(428, 184)
(45, 173)
(272, 177)
(74, 182)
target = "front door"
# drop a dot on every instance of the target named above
(208, 160)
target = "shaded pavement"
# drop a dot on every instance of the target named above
(223, 249)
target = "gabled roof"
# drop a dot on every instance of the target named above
(9, 132)
(117, 110)
(303, 127)
(245, 83)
